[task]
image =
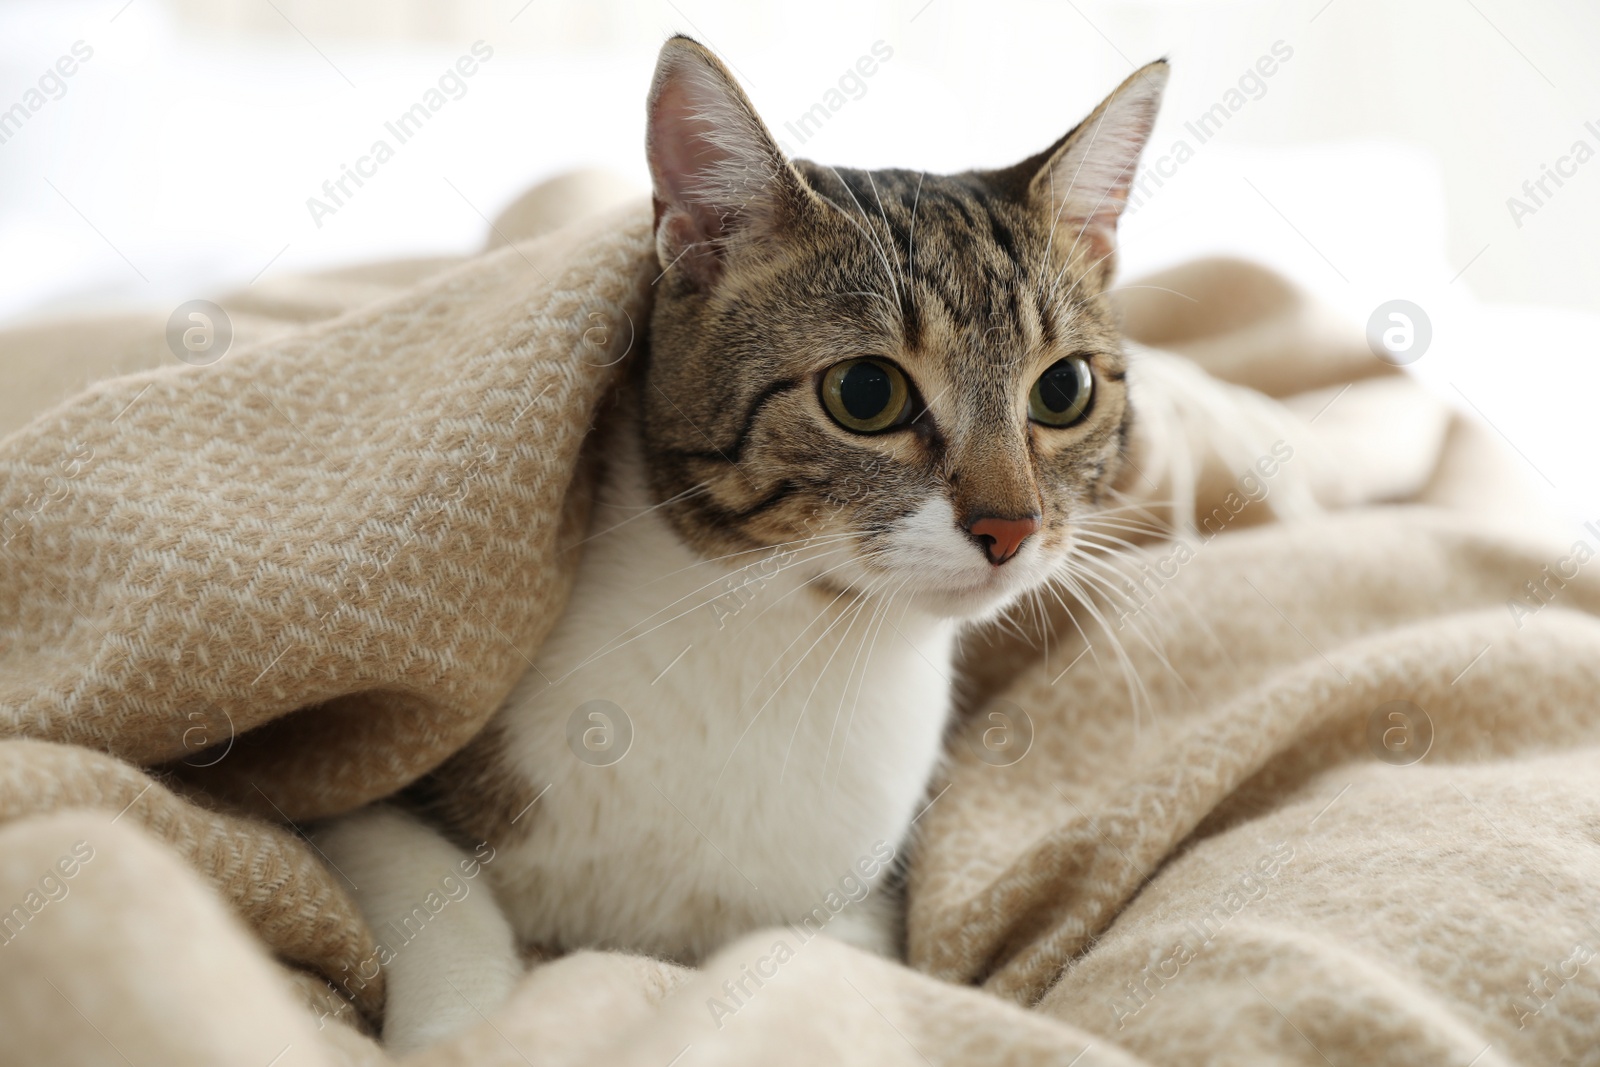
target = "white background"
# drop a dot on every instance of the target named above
(1376, 163)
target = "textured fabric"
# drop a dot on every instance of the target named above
(355, 523)
(1196, 831)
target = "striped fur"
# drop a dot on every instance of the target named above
(973, 284)
(745, 796)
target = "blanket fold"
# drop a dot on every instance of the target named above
(1299, 772)
(313, 527)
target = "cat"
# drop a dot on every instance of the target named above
(873, 409)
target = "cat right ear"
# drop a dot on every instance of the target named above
(719, 178)
(1084, 179)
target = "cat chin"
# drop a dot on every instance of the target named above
(978, 605)
(955, 601)
(969, 604)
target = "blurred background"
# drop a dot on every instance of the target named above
(1443, 152)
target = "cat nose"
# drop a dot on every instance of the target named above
(1001, 538)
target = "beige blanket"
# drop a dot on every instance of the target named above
(1315, 788)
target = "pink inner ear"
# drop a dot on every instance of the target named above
(1100, 186)
(1099, 233)
(685, 162)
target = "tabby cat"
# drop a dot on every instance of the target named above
(874, 407)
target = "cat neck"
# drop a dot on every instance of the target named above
(657, 595)
(795, 729)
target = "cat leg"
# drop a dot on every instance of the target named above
(454, 954)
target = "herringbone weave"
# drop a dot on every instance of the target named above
(1318, 787)
(299, 577)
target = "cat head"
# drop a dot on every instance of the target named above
(904, 383)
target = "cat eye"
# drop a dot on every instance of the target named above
(866, 395)
(1061, 395)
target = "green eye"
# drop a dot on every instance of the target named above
(866, 395)
(1061, 395)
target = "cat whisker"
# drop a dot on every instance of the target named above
(1138, 695)
(849, 611)
(844, 740)
(887, 229)
(1088, 645)
(838, 566)
(1067, 198)
(1131, 503)
(642, 512)
(1124, 522)
(621, 640)
(821, 674)
(1103, 534)
(813, 538)
(1103, 578)
(1030, 600)
(1202, 623)
(1162, 288)
(853, 613)
(828, 749)
(1003, 621)
(911, 237)
(877, 611)
(863, 292)
(1055, 285)
(1109, 187)
(866, 230)
(1151, 509)
(1131, 506)
(1105, 561)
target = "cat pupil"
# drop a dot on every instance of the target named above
(1058, 388)
(865, 391)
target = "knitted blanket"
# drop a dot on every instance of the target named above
(1314, 786)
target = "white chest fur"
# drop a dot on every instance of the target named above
(778, 735)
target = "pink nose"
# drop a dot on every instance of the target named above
(1001, 538)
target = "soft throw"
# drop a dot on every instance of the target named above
(1316, 787)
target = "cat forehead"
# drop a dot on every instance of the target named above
(930, 216)
(927, 269)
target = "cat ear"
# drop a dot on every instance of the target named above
(1083, 180)
(719, 178)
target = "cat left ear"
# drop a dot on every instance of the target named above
(719, 178)
(1084, 179)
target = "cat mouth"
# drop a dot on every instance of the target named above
(966, 596)
(971, 598)
(952, 580)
